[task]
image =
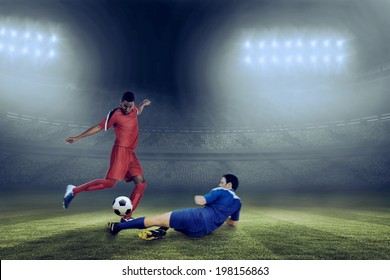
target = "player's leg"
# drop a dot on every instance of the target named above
(95, 185)
(138, 192)
(135, 174)
(117, 170)
(99, 184)
(142, 223)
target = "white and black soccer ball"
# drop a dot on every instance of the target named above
(122, 205)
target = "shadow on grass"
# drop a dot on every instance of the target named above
(96, 243)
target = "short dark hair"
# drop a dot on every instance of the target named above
(128, 96)
(230, 178)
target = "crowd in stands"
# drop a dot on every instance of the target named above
(54, 133)
(332, 172)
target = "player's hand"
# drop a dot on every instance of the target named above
(146, 102)
(71, 140)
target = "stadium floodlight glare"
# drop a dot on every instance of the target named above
(326, 43)
(297, 50)
(261, 45)
(27, 42)
(262, 60)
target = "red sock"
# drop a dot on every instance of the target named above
(95, 185)
(136, 196)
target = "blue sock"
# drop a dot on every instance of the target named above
(136, 223)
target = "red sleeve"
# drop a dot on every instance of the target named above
(109, 120)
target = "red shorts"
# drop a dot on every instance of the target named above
(123, 164)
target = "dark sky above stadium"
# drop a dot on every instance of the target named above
(153, 43)
(171, 47)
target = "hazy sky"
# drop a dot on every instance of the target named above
(186, 49)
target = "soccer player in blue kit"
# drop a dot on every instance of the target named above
(220, 205)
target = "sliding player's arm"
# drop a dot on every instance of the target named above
(91, 131)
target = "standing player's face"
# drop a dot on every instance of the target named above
(126, 107)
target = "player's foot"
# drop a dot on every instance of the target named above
(152, 234)
(112, 227)
(124, 220)
(68, 197)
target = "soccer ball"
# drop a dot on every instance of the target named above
(122, 205)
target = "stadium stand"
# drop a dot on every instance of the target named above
(344, 156)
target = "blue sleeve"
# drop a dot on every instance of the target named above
(211, 196)
(236, 215)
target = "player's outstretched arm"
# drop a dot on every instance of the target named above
(200, 200)
(232, 223)
(141, 106)
(91, 131)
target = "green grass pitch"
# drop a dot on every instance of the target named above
(37, 228)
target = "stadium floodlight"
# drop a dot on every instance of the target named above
(297, 50)
(51, 53)
(27, 42)
(326, 43)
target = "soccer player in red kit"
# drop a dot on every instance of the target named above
(123, 161)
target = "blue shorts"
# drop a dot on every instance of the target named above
(188, 221)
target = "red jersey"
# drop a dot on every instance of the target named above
(125, 127)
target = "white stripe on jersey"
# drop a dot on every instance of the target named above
(106, 123)
(231, 192)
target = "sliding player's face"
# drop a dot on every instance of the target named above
(222, 183)
(126, 107)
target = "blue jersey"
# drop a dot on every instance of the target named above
(220, 204)
(196, 222)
